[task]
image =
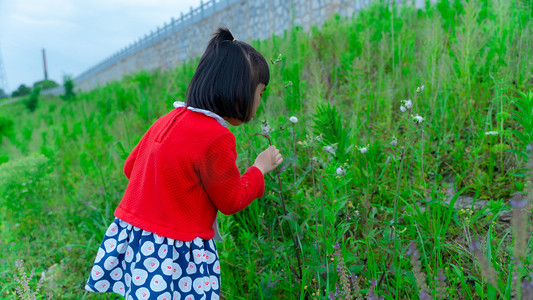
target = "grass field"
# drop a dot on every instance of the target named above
(407, 175)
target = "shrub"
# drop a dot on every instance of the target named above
(6, 127)
(32, 101)
(68, 84)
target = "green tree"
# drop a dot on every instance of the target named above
(22, 90)
(45, 84)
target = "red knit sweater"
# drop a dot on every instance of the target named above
(181, 173)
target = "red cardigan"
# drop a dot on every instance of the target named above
(181, 173)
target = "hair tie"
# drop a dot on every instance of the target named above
(233, 40)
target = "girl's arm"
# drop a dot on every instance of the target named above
(229, 191)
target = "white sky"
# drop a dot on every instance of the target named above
(77, 34)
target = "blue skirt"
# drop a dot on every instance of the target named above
(139, 264)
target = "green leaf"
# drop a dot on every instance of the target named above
(503, 114)
(122, 152)
(492, 293)
(288, 161)
(518, 152)
(479, 290)
(519, 135)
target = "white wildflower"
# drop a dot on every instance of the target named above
(331, 149)
(278, 59)
(340, 171)
(363, 149)
(265, 128)
(408, 103)
(293, 120)
(419, 89)
(394, 141)
(418, 119)
(491, 133)
(319, 138)
(402, 108)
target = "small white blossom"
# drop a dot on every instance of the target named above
(319, 138)
(340, 171)
(293, 120)
(394, 141)
(277, 60)
(491, 133)
(418, 119)
(331, 149)
(419, 89)
(402, 108)
(265, 128)
(408, 103)
(363, 149)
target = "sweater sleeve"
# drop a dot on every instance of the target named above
(228, 190)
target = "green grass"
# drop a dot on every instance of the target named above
(61, 165)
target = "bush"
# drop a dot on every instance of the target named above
(32, 101)
(68, 84)
(6, 127)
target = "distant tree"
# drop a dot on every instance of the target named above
(68, 85)
(45, 84)
(32, 101)
(23, 90)
(3, 94)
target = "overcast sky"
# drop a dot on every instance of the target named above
(77, 34)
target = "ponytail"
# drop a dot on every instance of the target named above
(220, 36)
(227, 76)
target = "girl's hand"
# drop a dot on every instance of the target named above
(268, 160)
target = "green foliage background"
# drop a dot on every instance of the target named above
(61, 166)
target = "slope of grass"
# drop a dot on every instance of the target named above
(348, 201)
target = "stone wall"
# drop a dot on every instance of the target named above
(187, 36)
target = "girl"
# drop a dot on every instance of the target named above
(182, 172)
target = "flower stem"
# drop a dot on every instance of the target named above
(297, 248)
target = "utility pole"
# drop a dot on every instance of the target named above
(44, 63)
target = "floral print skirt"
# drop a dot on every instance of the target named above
(138, 264)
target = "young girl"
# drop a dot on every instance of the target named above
(182, 172)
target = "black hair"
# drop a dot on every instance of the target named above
(227, 76)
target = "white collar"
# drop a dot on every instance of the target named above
(202, 111)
